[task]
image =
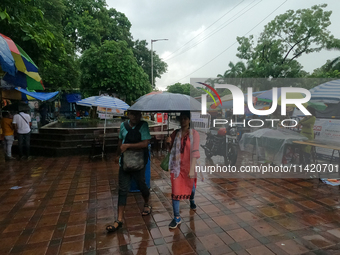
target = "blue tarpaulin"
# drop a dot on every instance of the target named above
(73, 98)
(38, 95)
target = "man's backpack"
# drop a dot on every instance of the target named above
(134, 160)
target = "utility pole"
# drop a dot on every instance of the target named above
(152, 41)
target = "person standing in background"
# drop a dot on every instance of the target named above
(43, 113)
(8, 132)
(307, 130)
(22, 124)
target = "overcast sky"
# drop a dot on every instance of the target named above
(202, 34)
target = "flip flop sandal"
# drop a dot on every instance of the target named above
(145, 213)
(112, 228)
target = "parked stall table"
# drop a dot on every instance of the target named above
(271, 141)
(314, 143)
(328, 145)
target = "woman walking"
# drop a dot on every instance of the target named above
(182, 161)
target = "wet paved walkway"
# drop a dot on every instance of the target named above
(64, 204)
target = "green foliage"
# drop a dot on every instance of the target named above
(284, 39)
(235, 73)
(23, 21)
(36, 27)
(61, 70)
(59, 66)
(325, 72)
(52, 32)
(332, 65)
(236, 70)
(143, 56)
(112, 68)
(186, 89)
(179, 88)
(89, 22)
(4, 14)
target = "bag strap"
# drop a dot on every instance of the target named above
(127, 125)
(24, 119)
(138, 126)
(129, 128)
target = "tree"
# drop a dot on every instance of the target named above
(331, 69)
(186, 89)
(143, 56)
(236, 70)
(59, 66)
(89, 22)
(112, 68)
(284, 40)
(36, 27)
(236, 73)
(179, 88)
(332, 65)
(55, 33)
(24, 21)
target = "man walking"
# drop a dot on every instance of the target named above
(22, 124)
(134, 137)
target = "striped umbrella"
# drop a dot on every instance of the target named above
(23, 81)
(88, 101)
(28, 76)
(106, 102)
(7, 63)
(328, 92)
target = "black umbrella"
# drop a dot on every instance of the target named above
(166, 102)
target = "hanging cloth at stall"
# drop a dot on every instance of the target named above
(38, 95)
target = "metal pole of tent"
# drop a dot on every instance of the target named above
(162, 128)
(104, 134)
(168, 125)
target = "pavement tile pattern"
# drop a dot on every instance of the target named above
(62, 205)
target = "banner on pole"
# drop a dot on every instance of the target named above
(110, 111)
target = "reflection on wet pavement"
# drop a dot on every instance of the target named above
(62, 205)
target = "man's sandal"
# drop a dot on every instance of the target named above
(146, 212)
(112, 228)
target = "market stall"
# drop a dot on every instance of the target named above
(20, 97)
(268, 145)
(327, 124)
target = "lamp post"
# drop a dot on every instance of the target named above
(152, 41)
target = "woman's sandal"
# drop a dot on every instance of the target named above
(145, 212)
(112, 228)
